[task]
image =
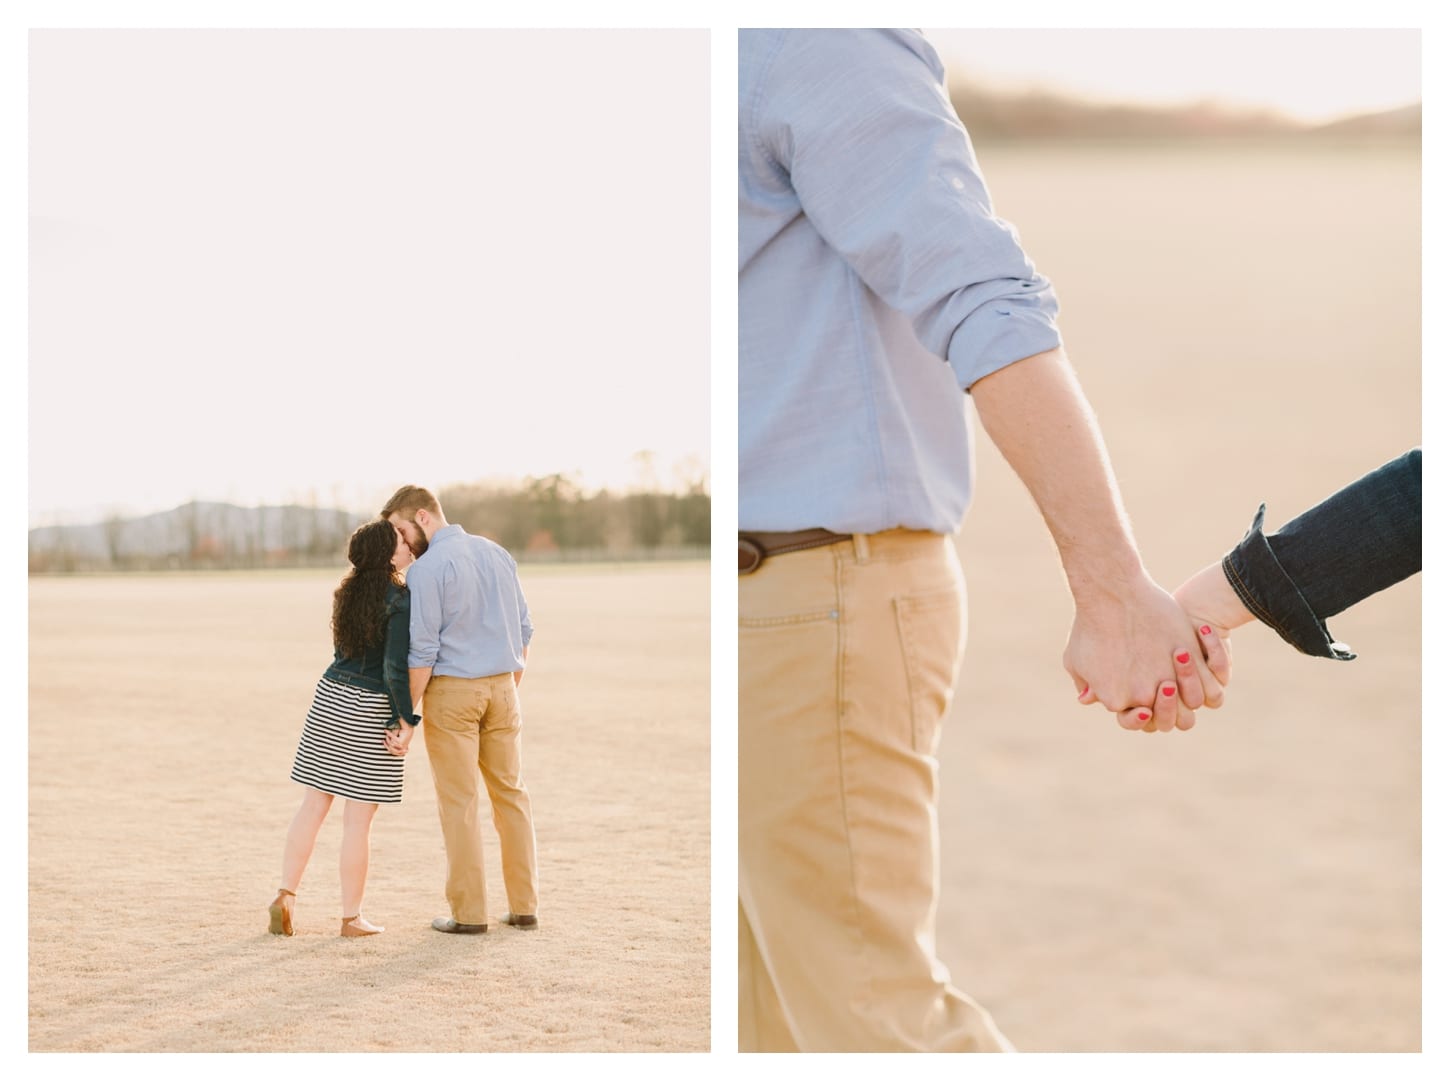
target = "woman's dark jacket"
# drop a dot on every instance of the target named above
(383, 666)
(1362, 539)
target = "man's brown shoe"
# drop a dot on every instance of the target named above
(527, 923)
(450, 926)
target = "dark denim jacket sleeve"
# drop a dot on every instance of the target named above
(1362, 539)
(395, 659)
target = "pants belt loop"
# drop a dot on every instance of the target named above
(863, 547)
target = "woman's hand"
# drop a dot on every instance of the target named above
(1209, 599)
(397, 739)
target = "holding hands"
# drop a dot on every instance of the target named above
(397, 739)
(1145, 656)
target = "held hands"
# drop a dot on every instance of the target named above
(1214, 608)
(1135, 650)
(397, 739)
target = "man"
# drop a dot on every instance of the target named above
(875, 287)
(469, 635)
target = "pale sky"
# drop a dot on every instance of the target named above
(1311, 75)
(270, 263)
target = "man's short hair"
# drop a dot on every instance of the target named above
(409, 500)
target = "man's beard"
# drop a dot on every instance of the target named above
(420, 545)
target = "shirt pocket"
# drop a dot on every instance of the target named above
(932, 628)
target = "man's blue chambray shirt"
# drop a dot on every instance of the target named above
(875, 285)
(468, 613)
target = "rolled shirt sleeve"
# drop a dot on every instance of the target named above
(526, 625)
(861, 124)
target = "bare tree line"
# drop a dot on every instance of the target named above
(542, 519)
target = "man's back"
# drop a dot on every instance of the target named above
(469, 617)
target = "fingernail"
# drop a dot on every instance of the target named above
(1181, 658)
(1169, 691)
(1205, 630)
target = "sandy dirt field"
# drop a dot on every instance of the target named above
(164, 712)
(1247, 326)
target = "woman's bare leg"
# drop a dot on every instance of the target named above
(302, 836)
(352, 861)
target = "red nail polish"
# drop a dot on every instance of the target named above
(1181, 658)
(1169, 691)
(1143, 716)
(1205, 630)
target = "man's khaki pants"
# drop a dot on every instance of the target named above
(471, 726)
(848, 656)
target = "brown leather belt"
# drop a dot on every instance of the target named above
(755, 548)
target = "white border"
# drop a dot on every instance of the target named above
(723, 20)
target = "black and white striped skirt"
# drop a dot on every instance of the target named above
(342, 751)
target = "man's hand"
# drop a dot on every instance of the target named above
(1213, 608)
(1133, 649)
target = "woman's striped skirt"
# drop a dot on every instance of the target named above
(342, 751)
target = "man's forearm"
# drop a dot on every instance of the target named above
(1131, 647)
(418, 682)
(1036, 414)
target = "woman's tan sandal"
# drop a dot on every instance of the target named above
(357, 927)
(280, 914)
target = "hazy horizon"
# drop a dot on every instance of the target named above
(673, 476)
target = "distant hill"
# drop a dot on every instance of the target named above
(1040, 115)
(1395, 123)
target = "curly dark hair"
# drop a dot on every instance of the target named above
(360, 603)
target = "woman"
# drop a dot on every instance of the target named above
(354, 739)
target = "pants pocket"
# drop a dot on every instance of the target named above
(787, 620)
(932, 628)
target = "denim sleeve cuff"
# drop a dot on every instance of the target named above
(1266, 589)
(999, 334)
